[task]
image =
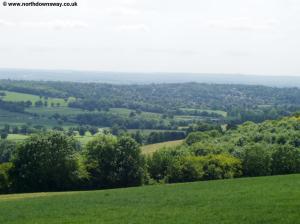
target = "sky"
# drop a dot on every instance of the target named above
(201, 36)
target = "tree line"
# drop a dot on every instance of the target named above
(54, 161)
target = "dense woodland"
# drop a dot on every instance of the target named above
(54, 161)
(220, 125)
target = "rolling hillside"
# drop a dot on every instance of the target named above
(250, 200)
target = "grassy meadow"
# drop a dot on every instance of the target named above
(274, 199)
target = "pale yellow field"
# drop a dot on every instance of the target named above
(149, 149)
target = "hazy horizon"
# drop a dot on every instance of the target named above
(146, 78)
(145, 72)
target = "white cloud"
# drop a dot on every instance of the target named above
(134, 28)
(122, 11)
(243, 24)
(56, 24)
(129, 2)
(5, 23)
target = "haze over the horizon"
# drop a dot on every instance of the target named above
(241, 37)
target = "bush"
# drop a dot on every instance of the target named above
(5, 181)
(203, 149)
(221, 166)
(185, 169)
(196, 137)
(180, 165)
(7, 150)
(161, 160)
(256, 160)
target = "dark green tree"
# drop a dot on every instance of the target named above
(47, 162)
(286, 160)
(256, 160)
(114, 162)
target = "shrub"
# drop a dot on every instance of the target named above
(7, 150)
(203, 149)
(160, 161)
(5, 181)
(185, 169)
(196, 137)
(256, 160)
(221, 166)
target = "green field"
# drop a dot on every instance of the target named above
(18, 119)
(261, 200)
(126, 112)
(17, 97)
(187, 118)
(49, 111)
(82, 139)
(223, 113)
(149, 149)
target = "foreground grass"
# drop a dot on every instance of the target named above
(149, 149)
(250, 200)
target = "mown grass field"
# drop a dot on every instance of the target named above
(261, 200)
(149, 149)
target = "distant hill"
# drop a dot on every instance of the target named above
(146, 78)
